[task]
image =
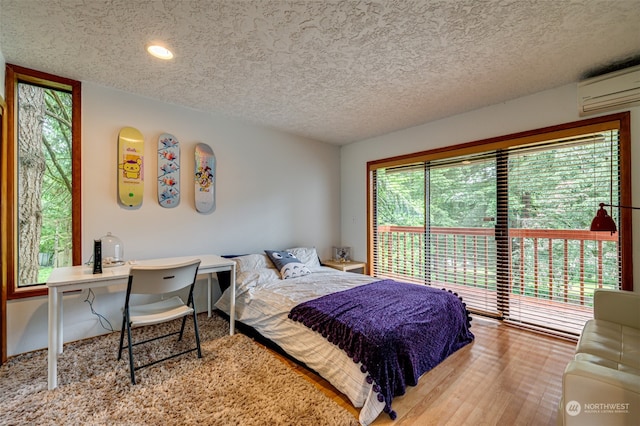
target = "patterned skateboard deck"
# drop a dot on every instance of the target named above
(168, 171)
(205, 178)
(130, 167)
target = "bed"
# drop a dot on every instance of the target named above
(279, 308)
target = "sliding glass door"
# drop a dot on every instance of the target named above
(506, 228)
(556, 262)
(461, 229)
(435, 224)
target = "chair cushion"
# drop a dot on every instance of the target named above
(610, 341)
(157, 312)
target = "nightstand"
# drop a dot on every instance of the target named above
(351, 265)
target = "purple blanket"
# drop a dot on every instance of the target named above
(397, 330)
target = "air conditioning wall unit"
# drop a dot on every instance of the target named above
(616, 90)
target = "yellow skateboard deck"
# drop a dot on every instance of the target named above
(130, 167)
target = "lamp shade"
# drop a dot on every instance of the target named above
(603, 222)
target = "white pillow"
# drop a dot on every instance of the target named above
(251, 262)
(306, 255)
(249, 279)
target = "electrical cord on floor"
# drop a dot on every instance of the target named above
(90, 298)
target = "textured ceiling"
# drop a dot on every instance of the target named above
(335, 71)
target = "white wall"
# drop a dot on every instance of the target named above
(273, 191)
(542, 109)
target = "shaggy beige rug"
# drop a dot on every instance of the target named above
(236, 382)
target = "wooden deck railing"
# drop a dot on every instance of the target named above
(558, 265)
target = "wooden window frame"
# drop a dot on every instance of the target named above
(15, 74)
(3, 290)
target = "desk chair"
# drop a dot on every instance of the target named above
(159, 280)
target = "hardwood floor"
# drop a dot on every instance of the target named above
(507, 376)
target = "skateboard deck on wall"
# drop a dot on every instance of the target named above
(130, 167)
(168, 170)
(205, 178)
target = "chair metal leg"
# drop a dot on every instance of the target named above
(184, 321)
(131, 367)
(121, 338)
(197, 332)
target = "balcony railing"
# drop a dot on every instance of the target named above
(547, 269)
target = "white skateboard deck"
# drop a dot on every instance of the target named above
(168, 171)
(205, 178)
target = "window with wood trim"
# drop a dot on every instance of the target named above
(505, 222)
(41, 169)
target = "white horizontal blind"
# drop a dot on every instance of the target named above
(461, 231)
(508, 230)
(399, 236)
(556, 263)
(456, 248)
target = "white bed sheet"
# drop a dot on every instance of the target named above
(263, 301)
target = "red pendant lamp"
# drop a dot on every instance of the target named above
(603, 222)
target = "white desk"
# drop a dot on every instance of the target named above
(81, 277)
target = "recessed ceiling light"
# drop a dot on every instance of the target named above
(160, 51)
